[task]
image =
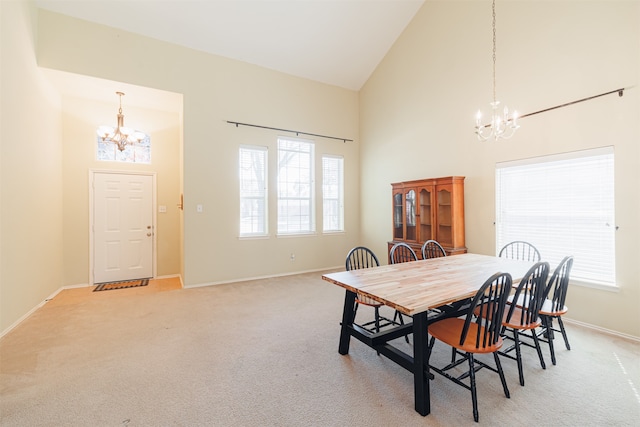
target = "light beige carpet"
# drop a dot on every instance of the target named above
(264, 353)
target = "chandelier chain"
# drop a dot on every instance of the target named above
(494, 50)
(120, 94)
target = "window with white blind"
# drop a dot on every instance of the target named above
(332, 193)
(564, 205)
(253, 191)
(295, 186)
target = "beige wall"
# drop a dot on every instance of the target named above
(216, 89)
(80, 119)
(418, 110)
(413, 119)
(30, 171)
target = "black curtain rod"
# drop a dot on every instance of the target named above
(619, 91)
(291, 131)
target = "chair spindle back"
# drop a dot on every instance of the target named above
(529, 294)
(559, 284)
(361, 257)
(490, 301)
(401, 252)
(432, 249)
(520, 250)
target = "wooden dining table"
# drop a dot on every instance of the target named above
(416, 289)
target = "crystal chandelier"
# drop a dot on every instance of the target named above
(120, 135)
(503, 124)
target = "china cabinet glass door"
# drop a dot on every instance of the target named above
(411, 215)
(426, 221)
(397, 216)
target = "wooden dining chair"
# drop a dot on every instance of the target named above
(401, 252)
(363, 257)
(522, 314)
(472, 334)
(553, 307)
(432, 249)
(520, 250)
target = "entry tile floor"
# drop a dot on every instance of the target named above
(75, 295)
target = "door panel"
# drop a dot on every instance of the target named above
(122, 227)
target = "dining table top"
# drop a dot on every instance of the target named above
(417, 286)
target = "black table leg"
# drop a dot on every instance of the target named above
(347, 321)
(420, 365)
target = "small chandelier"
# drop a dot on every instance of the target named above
(120, 135)
(503, 124)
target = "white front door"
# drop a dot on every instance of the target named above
(122, 227)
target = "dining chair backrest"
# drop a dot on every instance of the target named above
(401, 252)
(361, 257)
(558, 285)
(520, 250)
(529, 294)
(490, 303)
(432, 249)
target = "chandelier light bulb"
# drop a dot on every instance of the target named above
(138, 136)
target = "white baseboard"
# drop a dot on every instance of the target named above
(603, 330)
(80, 285)
(246, 279)
(30, 312)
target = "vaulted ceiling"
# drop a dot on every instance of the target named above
(339, 42)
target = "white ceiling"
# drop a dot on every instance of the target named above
(339, 42)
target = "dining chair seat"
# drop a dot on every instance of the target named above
(448, 331)
(363, 299)
(518, 320)
(547, 309)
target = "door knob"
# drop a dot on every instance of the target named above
(149, 234)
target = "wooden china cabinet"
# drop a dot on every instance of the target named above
(427, 209)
